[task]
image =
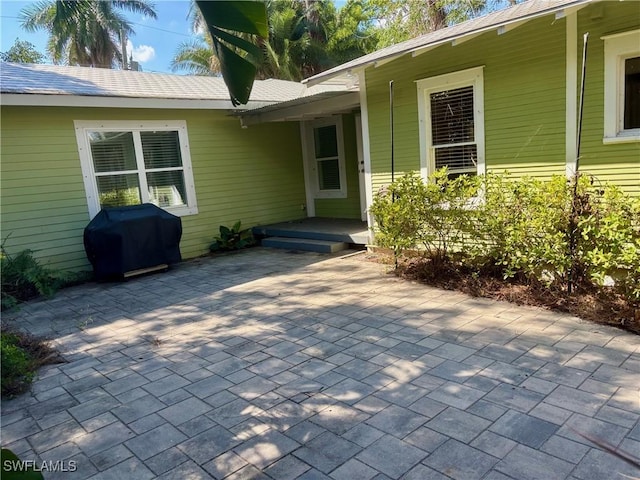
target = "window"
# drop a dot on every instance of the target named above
(622, 87)
(128, 163)
(327, 158)
(451, 116)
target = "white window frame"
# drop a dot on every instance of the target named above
(83, 128)
(617, 48)
(464, 78)
(312, 161)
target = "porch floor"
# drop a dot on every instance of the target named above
(318, 228)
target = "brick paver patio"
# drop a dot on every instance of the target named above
(270, 364)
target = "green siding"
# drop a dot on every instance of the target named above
(615, 163)
(348, 207)
(524, 108)
(254, 175)
(524, 104)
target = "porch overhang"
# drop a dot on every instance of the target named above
(304, 108)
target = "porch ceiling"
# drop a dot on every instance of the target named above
(304, 108)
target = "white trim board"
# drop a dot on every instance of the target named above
(571, 95)
(462, 78)
(82, 127)
(617, 48)
(38, 100)
(366, 146)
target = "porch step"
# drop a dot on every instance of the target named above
(306, 244)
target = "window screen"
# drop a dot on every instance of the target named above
(325, 141)
(453, 130)
(122, 178)
(632, 93)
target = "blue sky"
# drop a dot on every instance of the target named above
(154, 42)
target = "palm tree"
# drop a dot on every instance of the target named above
(195, 57)
(84, 32)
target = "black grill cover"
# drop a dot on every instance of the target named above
(122, 239)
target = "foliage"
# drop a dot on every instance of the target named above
(403, 20)
(22, 354)
(238, 56)
(14, 469)
(17, 365)
(517, 228)
(84, 32)
(522, 227)
(195, 57)
(24, 278)
(120, 197)
(304, 38)
(609, 243)
(233, 238)
(433, 215)
(22, 52)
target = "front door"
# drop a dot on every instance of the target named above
(332, 156)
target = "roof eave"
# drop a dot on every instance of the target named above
(66, 100)
(355, 67)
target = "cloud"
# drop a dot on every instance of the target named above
(141, 53)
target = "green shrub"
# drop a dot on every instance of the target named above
(24, 278)
(17, 365)
(232, 238)
(435, 216)
(609, 239)
(522, 227)
(550, 232)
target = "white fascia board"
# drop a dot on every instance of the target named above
(319, 107)
(39, 100)
(455, 40)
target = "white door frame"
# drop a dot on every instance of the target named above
(361, 169)
(308, 177)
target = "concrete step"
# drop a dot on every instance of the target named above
(306, 244)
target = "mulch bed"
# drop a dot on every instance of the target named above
(598, 305)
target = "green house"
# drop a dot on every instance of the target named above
(500, 92)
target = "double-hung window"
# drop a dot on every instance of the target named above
(327, 157)
(451, 114)
(622, 87)
(129, 163)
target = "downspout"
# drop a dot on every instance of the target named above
(571, 93)
(393, 167)
(585, 39)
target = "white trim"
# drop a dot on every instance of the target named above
(617, 48)
(459, 41)
(463, 78)
(360, 164)
(58, 100)
(571, 94)
(308, 181)
(366, 145)
(312, 160)
(82, 127)
(417, 50)
(313, 107)
(508, 27)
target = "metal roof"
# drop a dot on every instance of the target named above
(518, 13)
(71, 81)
